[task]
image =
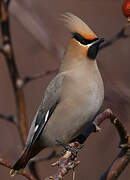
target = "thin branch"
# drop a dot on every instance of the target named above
(66, 163)
(24, 173)
(13, 71)
(123, 158)
(2, 52)
(33, 169)
(17, 81)
(119, 35)
(9, 118)
(124, 136)
(28, 79)
(35, 160)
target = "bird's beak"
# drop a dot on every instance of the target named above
(93, 48)
(98, 41)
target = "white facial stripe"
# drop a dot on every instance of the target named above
(46, 117)
(81, 44)
(88, 45)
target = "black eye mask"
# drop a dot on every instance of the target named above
(82, 40)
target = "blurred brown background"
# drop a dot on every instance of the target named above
(39, 39)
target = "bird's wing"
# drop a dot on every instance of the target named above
(48, 104)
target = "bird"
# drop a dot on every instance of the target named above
(73, 97)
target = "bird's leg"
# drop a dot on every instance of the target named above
(77, 143)
(73, 148)
(94, 126)
(84, 135)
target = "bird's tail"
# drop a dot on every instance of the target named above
(21, 162)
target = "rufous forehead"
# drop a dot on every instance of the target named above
(88, 36)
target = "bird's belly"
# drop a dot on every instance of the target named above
(70, 118)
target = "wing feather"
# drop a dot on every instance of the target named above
(48, 105)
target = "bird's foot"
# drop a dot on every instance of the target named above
(73, 148)
(97, 128)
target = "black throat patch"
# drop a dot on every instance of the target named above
(92, 51)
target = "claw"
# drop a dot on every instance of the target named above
(97, 128)
(73, 150)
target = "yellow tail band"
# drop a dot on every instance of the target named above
(13, 172)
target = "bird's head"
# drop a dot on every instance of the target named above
(84, 41)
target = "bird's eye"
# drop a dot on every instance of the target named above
(83, 41)
(79, 38)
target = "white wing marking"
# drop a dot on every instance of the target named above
(88, 45)
(36, 128)
(46, 117)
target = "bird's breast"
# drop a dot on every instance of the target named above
(84, 87)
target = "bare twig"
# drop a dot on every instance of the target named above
(123, 158)
(119, 35)
(38, 75)
(13, 71)
(17, 81)
(2, 52)
(33, 169)
(35, 160)
(9, 118)
(66, 162)
(24, 173)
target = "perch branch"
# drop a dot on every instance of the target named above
(66, 163)
(13, 71)
(24, 173)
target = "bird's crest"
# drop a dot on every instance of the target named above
(76, 25)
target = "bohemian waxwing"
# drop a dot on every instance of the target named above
(73, 97)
